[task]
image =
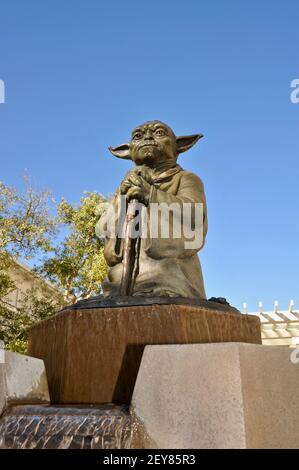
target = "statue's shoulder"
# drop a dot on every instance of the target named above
(190, 178)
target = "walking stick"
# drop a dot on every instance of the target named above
(131, 251)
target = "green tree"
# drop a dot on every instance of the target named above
(26, 224)
(75, 263)
(15, 322)
(26, 230)
(78, 265)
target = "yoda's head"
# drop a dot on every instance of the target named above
(154, 143)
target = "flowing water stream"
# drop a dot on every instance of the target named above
(66, 427)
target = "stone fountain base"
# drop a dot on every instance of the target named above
(187, 396)
(92, 353)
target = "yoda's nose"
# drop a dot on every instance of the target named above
(148, 134)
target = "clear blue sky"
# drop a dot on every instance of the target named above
(80, 74)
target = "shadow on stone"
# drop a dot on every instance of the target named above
(126, 382)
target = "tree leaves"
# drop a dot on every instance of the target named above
(73, 258)
(77, 265)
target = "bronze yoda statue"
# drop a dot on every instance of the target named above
(156, 189)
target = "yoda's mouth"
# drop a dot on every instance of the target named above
(148, 145)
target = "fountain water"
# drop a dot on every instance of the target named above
(66, 427)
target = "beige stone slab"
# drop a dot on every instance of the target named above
(2, 390)
(225, 395)
(270, 385)
(22, 380)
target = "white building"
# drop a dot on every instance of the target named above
(279, 327)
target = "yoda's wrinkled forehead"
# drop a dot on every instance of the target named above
(153, 126)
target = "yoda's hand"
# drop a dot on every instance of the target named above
(137, 185)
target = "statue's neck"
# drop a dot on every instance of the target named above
(164, 166)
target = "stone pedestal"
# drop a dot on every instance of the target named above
(22, 380)
(218, 396)
(93, 355)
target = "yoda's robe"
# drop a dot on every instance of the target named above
(166, 267)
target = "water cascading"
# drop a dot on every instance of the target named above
(66, 427)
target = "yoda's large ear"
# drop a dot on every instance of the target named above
(185, 142)
(122, 151)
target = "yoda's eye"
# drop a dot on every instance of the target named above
(160, 132)
(137, 136)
